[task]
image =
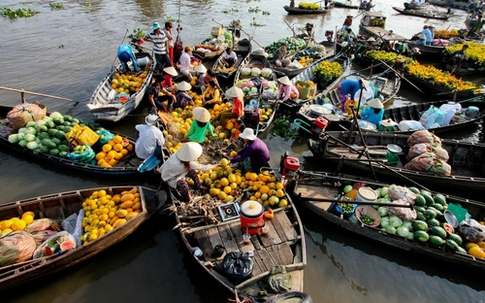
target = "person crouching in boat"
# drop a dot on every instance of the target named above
(156, 100)
(182, 98)
(200, 126)
(373, 111)
(182, 165)
(287, 90)
(279, 56)
(348, 87)
(125, 55)
(211, 95)
(237, 109)
(168, 74)
(255, 153)
(150, 138)
(200, 71)
(229, 59)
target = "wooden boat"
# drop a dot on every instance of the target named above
(242, 49)
(347, 4)
(58, 207)
(388, 83)
(372, 24)
(303, 11)
(434, 51)
(320, 193)
(254, 59)
(284, 245)
(290, 71)
(107, 106)
(210, 48)
(464, 5)
(307, 75)
(465, 158)
(422, 14)
(127, 166)
(416, 6)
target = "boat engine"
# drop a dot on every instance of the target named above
(319, 125)
(329, 35)
(288, 164)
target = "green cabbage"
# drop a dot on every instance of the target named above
(395, 221)
(14, 138)
(402, 231)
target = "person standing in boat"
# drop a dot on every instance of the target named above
(168, 32)
(185, 64)
(160, 46)
(229, 58)
(255, 153)
(369, 5)
(347, 22)
(292, 3)
(149, 138)
(287, 90)
(156, 100)
(125, 55)
(182, 165)
(373, 111)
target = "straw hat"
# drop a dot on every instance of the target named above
(155, 26)
(284, 80)
(422, 36)
(365, 84)
(234, 92)
(248, 133)
(190, 151)
(375, 103)
(371, 39)
(151, 119)
(201, 114)
(388, 122)
(171, 71)
(200, 68)
(184, 86)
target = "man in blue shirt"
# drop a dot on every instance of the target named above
(126, 54)
(427, 33)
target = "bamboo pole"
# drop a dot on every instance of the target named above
(23, 92)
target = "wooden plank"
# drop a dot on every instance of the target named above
(228, 239)
(204, 243)
(314, 191)
(296, 280)
(284, 227)
(237, 233)
(272, 238)
(281, 253)
(265, 259)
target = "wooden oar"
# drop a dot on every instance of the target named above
(22, 92)
(402, 77)
(294, 33)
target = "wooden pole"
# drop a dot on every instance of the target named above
(402, 77)
(23, 92)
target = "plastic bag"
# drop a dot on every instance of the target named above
(73, 225)
(406, 125)
(23, 113)
(57, 243)
(401, 193)
(82, 134)
(81, 156)
(104, 136)
(42, 224)
(279, 281)
(237, 266)
(472, 230)
(15, 247)
(429, 162)
(423, 136)
(431, 116)
(403, 213)
(42, 235)
(418, 149)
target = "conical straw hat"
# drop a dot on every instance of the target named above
(190, 151)
(201, 114)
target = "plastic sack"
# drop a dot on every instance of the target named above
(406, 125)
(279, 281)
(82, 134)
(368, 94)
(403, 213)
(15, 247)
(418, 149)
(42, 235)
(85, 157)
(423, 136)
(431, 116)
(429, 162)
(23, 113)
(42, 224)
(237, 266)
(73, 225)
(57, 243)
(472, 230)
(104, 136)
(401, 193)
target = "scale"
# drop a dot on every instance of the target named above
(228, 211)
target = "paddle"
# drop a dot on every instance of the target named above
(294, 33)
(23, 92)
(402, 77)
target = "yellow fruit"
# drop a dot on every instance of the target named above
(264, 189)
(117, 139)
(121, 213)
(280, 193)
(279, 185)
(231, 178)
(6, 224)
(224, 161)
(264, 197)
(224, 182)
(273, 200)
(228, 199)
(118, 147)
(131, 216)
(233, 154)
(107, 148)
(100, 155)
(283, 203)
(227, 189)
(476, 251)
(18, 225)
(119, 222)
(126, 204)
(221, 195)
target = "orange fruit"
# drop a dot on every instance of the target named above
(118, 147)
(112, 162)
(118, 156)
(118, 139)
(100, 155)
(279, 185)
(129, 147)
(107, 148)
(264, 189)
(111, 155)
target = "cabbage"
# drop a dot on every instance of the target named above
(255, 72)
(402, 231)
(29, 137)
(32, 145)
(395, 221)
(14, 138)
(390, 229)
(266, 72)
(410, 236)
(408, 225)
(31, 130)
(23, 130)
(23, 143)
(384, 191)
(382, 210)
(385, 222)
(254, 89)
(245, 71)
(246, 90)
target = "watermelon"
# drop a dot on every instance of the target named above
(23, 143)
(43, 135)
(440, 199)
(433, 222)
(63, 154)
(458, 240)
(67, 245)
(448, 228)
(420, 225)
(421, 236)
(30, 137)
(430, 214)
(32, 145)
(436, 240)
(54, 152)
(438, 231)
(451, 244)
(420, 201)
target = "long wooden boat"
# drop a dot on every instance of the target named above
(387, 81)
(330, 50)
(464, 5)
(338, 4)
(105, 103)
(303, 11)
(435, 51)
(283, 246)
(254, 59)
(307, 75)
(58, 207)
(126, 166)
(372, 24)
(422, 14)
(320, 192)
(415, 6)
(209, 49)
(466, 160)
(242, 49)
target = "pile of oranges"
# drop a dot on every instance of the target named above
(128, 83)
(113, 151)
(16, 223)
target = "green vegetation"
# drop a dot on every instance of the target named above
(18, 13)
(56, 5)
(282, 128)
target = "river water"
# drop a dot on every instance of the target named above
(68, 52)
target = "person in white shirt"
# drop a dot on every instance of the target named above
(185, 65)
(149, 137)
(182, 165)
(229, 59)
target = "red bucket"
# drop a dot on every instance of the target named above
(251, 217)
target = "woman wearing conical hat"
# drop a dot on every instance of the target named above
(200, 126)
(287, 90)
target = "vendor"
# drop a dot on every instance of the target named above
(237, 110)
(200, 126)
(182, 97)
(200, 72)
(169, 73)
(149, 137)
(348, 87)
(125, 55)
(255, 154)
(211, 95)
(373, 112)
(182, 165)
(287, 90)
(156, 100)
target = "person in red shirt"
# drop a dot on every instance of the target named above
(169, 73)
(237, 109)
